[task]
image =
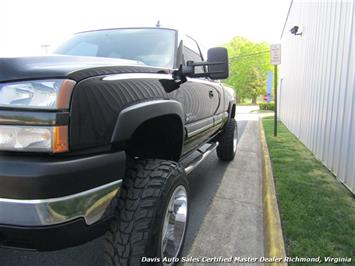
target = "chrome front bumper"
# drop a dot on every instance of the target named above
(92, 205)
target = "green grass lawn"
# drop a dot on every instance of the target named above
(317, 212)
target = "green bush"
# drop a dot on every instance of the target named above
(267, 106)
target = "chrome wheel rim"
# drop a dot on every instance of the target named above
(235, 139)
(174, 226)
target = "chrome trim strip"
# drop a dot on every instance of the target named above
(91, 205)
(218, 119)
(203, 156)
(200, 130)
(199, 126)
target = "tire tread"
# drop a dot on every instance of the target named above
(225, 148)
(127, 238)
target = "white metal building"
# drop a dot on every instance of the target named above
(316, 86)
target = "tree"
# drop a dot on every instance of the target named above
(249, 64)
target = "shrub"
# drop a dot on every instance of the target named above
(267, 106)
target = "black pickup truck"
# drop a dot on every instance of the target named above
(98, 138)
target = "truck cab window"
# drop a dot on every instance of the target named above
(192, 53)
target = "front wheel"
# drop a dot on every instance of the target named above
(228, 141)
(151, 216)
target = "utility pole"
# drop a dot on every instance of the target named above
(45, 47)
(275, 56)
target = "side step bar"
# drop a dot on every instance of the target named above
(199, 159)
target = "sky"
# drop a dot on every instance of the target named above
(25, 26)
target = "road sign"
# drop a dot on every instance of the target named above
(275, 50)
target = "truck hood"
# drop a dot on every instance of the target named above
(55, 66)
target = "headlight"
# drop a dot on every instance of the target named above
(34, 139)
(37, 94)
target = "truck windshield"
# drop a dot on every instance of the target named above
(154, 47)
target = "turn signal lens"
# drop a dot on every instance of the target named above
(60, 139)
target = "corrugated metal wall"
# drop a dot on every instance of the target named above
(317, 88)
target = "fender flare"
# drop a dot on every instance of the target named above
(231, 112)
(135, 115)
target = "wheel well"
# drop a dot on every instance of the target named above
(158, 138)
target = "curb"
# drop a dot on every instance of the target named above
(274, 245)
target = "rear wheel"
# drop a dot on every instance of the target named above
(228, 141)
(151, 216)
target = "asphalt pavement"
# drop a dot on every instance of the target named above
(233, 223)
(223, 197)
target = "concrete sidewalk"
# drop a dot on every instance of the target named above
(233, 225)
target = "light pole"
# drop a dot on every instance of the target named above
(45, 47)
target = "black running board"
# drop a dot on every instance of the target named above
(199, 159)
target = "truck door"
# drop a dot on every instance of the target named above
(200, 98)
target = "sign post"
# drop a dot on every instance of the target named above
(275, 56)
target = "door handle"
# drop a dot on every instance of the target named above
(210, 93)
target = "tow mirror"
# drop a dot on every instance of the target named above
(218, 63)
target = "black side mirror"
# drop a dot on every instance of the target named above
(219, 68)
